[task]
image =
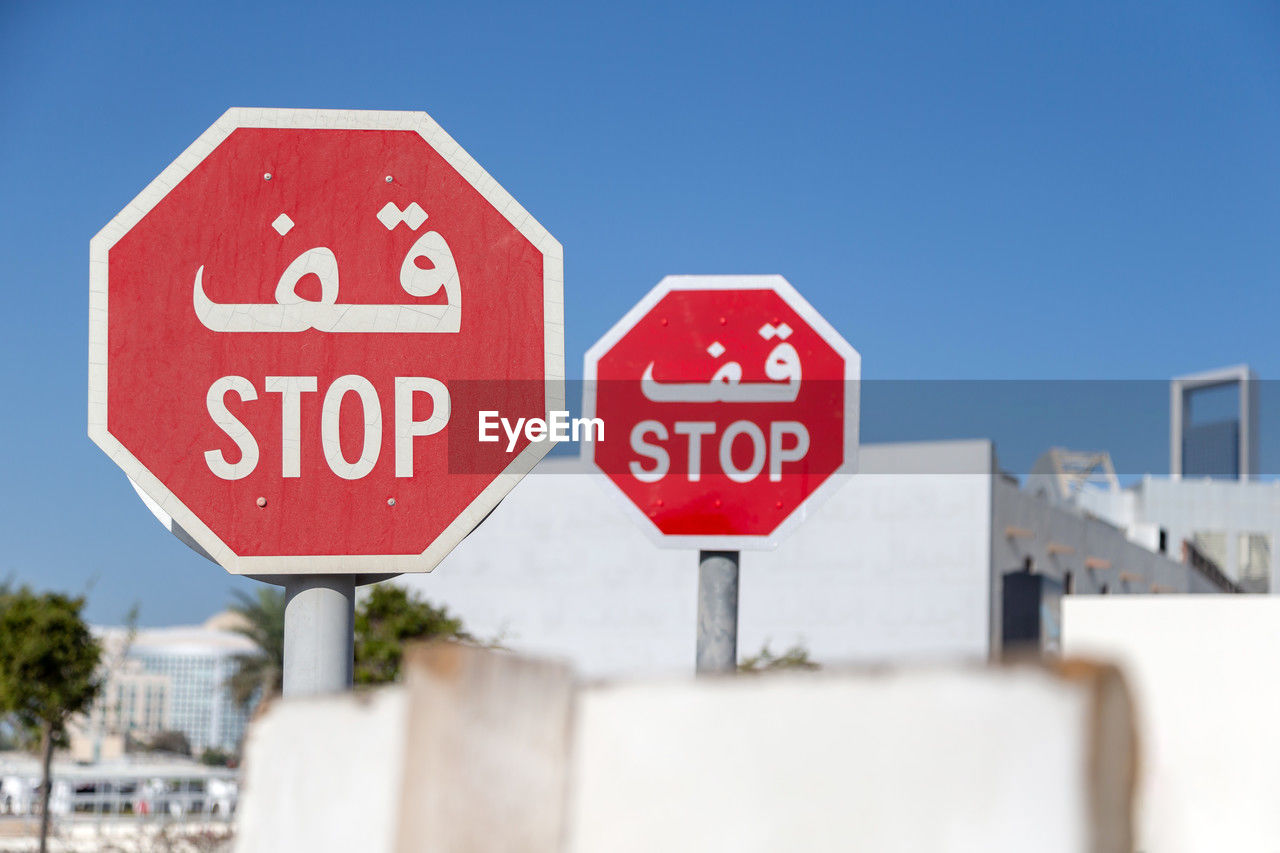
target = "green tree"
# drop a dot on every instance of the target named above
(48, 671)
(389, 617)
(259, 673)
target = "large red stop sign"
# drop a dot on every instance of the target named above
(294, 326)
(730, 408)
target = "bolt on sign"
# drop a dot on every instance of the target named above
(732, 408)
(293, 326)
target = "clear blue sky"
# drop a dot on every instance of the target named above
(967, 191)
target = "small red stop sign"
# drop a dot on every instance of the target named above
(730, 407)
(293, 327)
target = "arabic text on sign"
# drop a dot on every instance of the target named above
(292, 312)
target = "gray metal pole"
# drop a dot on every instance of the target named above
(319, 631)
(717, 611)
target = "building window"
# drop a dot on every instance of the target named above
(1255, 561)
(1212, 544)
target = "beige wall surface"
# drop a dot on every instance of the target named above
(1202, 672)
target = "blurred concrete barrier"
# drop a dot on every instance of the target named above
(484, 751)
(324, 774)
(470, 754)
(487, 748)
(1200, 669)
(1002, 759)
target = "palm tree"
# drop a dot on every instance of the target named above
(258, 674)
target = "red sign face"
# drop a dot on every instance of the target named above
(294, 327)
(730, 406)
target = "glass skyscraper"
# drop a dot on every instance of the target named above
(173, 679)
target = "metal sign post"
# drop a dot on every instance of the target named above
(717, 612)
(319, 634)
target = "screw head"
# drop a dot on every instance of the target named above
(262, 501)
(267, 176)
(391, 501)
(388, 179)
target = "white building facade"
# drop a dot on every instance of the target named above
(1235, 523)
(907, 561)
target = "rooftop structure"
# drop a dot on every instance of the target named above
(1063, 474)
(1213, 424)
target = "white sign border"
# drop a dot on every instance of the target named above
(852, 377)
(163, 503)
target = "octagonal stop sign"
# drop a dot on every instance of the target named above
(731, 408)
(290, 327)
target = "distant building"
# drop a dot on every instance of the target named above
(1213, 499)
(160, 786)
(166, 679)
(136, 701)
(928, 553)
(1234, 523)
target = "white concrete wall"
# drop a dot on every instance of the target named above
(893, 567)
(1202, 672)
